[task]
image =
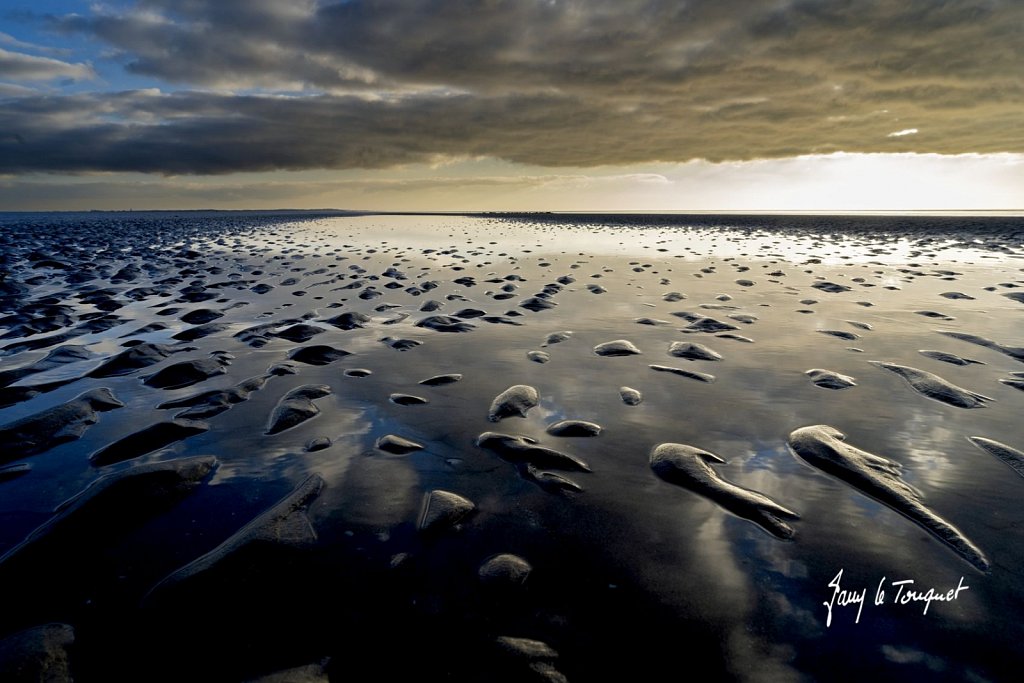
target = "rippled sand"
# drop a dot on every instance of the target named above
(494, 448)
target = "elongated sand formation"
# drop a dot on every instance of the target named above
(689, 467)
(825, 448)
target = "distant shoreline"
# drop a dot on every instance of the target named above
(981, 213)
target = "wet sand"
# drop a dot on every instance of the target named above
(504, 448)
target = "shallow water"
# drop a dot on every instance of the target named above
(630, 575)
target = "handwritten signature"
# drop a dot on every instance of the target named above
(906, 593)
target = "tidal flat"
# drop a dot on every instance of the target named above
(511, 447)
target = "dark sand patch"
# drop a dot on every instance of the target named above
(67, 422)
(574, 428)
(825, 448)
(135, 358)
(831, 287)
(318, 354)
(936, 388)
(515, 401)
(556, 338)
(284, 524)
(709, 325)
(1011, 456)
(630, 396)
(688, 467)
(8, 472)
(445, 323)
(618, 347)
(698, 376)
(829, 379)
(54, 359)
(442, 380)
(349, 321)
(950, 358)
(398, 445)
(201, 316)
(115, 499)
(523, 450)
(407, 400)
(443, 510)
(1015, 352)
(693, 351)
(200, 331)
(208, 404)
(187, 373)
(841, 334)
(152, 438)
(504, 570)
(296, 407)
(299, 333)
(401, 344)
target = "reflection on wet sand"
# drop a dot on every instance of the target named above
(394, 365)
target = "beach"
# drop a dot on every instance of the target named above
(512, 447)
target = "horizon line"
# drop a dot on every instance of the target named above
(499, 212)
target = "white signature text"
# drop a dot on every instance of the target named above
(906, 592)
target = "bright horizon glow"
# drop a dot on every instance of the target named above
(834, 183)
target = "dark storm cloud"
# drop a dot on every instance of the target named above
(43, 193)
(548, 82)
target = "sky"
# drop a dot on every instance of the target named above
(537, 105)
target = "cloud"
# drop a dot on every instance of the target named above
(377, 83)
(14, 90)
(8, 39)
(211, 133)
(597, 45)
(22, 67)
